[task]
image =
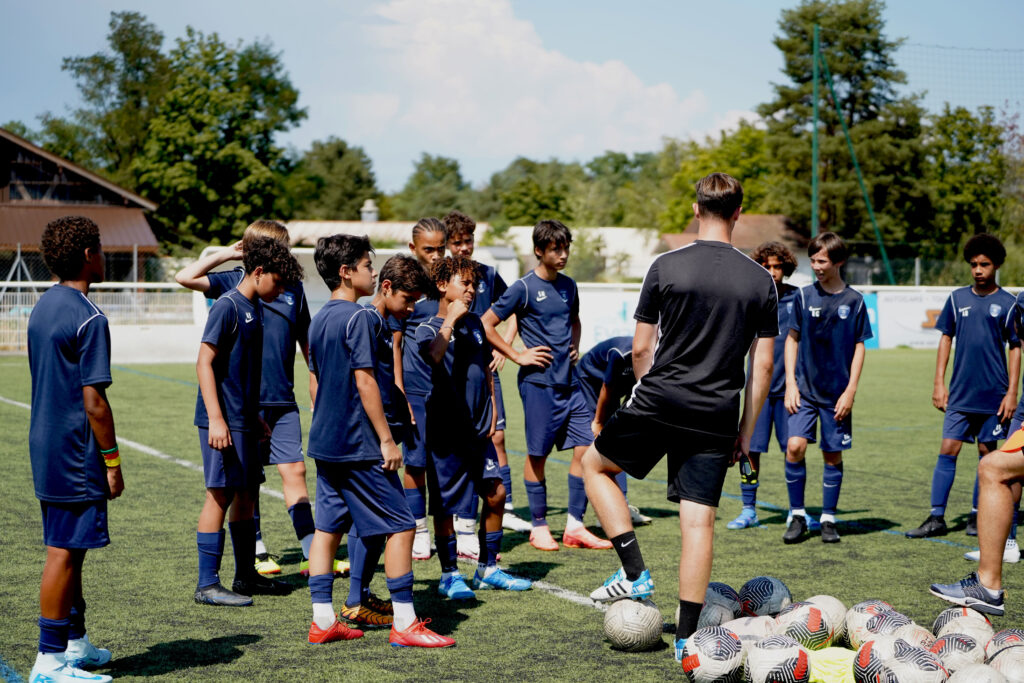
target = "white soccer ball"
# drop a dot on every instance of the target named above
(957, 651)
(1004, 638)
(887, 623)
(713, 655)
(951, 613)
(858, 616)
(977, 673)
(872, 655)
(891, 659)
(633, 625)
(712, 614)
(764, 595)
(807, 624)
(751, 629)
(777, 658)
(1009, 661)
(723, 594)
(915, 634)
(981, 631)
(836, 611)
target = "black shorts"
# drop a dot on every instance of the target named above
(697, 462)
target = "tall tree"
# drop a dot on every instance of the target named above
(330, 182)
(435, 187)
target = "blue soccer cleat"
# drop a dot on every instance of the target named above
(500, 580)
(747, 518)
(65, 674)
(680, 644)
(454, 588)
(618, 587)
(968, 592)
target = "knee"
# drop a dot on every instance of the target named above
(834, 459)
(795, 450)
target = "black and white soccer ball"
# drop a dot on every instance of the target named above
(836, 611)
(751, 629)
(886, 659)
(723, 594)
(979, 629)
(633, 625)
(858, 616)
(957, 651)
(777, 659)
(764, 595)
(807, 624)
(712, 614)
(950, 613)
(915, 634)
(1004, 638)
(713, 655)
(917, 665)
(1009, 661)
(977, 673)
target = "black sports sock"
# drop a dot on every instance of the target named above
(629, 554)
(689, 615)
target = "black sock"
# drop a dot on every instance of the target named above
(629, 554)
(689, 614)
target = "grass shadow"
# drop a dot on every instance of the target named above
(165, 658)
(533, 570)
(866, 525)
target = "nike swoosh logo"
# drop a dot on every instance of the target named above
(627, 543)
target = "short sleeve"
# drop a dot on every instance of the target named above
(223, 282)
(302, 320)
(648, 309)
(498, 288)
(863, 323)
(361, 341)
(769, 324)
(422, 337)
(796, 320)
(946, 323)
(1018, 315)
(221, 323)
(614, 368)
(512, 301)
(1010, 327)
(94, 351)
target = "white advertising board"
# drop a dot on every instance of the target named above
(907, 318)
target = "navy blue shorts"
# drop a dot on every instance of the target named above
(414, 448)
(285, 444)
(967, 427)
(772, 414)
(1015, 423)
(554, 417)
(835, 436)
(75, 526)
(455, 471)
(360, 494)
(499, 402)
(240, 465)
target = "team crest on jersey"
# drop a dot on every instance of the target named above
(541, 296)
(482, 287)
(789, 307)
(565, 296)
(844, 312)
(994, 310)
(479, 337)
(288, 298)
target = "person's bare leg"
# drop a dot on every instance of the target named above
(697, 527)
(293, 483)
(56, 590)
(604, 493)
(322, 551)
(996, 473)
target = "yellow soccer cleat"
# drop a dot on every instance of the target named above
(267, 564)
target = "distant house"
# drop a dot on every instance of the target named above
(750, 231)
(37, 186)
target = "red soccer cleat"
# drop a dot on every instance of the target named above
(581, 538)
(418, 635)
(337, 631)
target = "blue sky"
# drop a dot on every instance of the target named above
(486, 80)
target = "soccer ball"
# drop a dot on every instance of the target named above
(1004, 638)
(1009, 661)
(887, 623)
(777, 659)
(836, 611)
(951, 613)
(712, 614)
(980, 630)
(957, 651)
(977, 673)
(713, 655)
(807, 624)
(858, 616)
(633, 625)
(887, 658)
(751, 629)
(870, 664)
(915, 634)
(723, 594)
(764, 595)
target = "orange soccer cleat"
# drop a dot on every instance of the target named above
(418, 635)
(337, 631)
(541, 538)
(581, 538)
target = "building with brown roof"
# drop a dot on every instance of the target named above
(752, 229)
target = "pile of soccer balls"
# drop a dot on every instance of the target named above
(760, 635)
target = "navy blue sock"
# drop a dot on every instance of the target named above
(255, 520)
(974, 501)
(401, 588)
(321, 588)
(796, 480)
(356, 560)
(620, 479)
(577, 497)
(537, 495)
(211, 549)
(417, 502)
(830, 487)
(506, 479)
(447, 552)
(942, 483)
(374, 546)
(243, 544)
(302, 519)
(492, 542)
(77, 620)
(53, 635)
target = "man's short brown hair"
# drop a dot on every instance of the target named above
(719, 195)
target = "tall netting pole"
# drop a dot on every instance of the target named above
(814, 135)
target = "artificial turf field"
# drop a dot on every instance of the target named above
(139, 589)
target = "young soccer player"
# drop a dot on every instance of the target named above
(490, 286)
(982, 394)
(461, 419)
(285, 324)
(356, 455)
(824, 357)
(227, 415)
(778, 260)
(546, 306)
(702, 307)
(606, 378)
(76, 466)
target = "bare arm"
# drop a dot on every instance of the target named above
(1009, 402)
(219, 434)
(396, 349)
(304, 347)
(577, 332)
(790, 352)
(193, 276)
(511, 329)
(759, 381)
(940, 395)
(369, 394)
(101, 419)
(845, 403)
(603, 411)
(494, 404)
(644, 340)
(538, 355)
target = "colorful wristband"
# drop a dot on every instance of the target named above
(112, 455)
(109, 450)
(115, 462)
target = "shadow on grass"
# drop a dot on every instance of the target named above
(865, 525)
(164, 658)
(533, 570)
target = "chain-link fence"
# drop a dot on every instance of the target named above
(23, 265)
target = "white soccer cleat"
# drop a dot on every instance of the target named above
(513, 522)
(466, 540)
(82, 654)
(1011, 553)
(618, 587)
(421, 545)
(53, 669)
(638, 518)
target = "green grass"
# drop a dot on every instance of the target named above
(139, 589)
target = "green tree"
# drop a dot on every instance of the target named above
(435, 187)
(209, 159)
(529, 191)
(620, 190)
(330, 182)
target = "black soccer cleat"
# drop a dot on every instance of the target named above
(829, 533)
(972, 524)
(796, 531)
(221, 596)
(935, 525)
(259, 585)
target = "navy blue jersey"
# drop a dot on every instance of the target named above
(460, 403)
(384, 342)
(285, 322)
(415, 371)
(611, 363)
(235, 327)
(68, 348)
(545, 311)
(787, 295)
(981, 327)
(830, 327)
(489, 288)
(342, 339)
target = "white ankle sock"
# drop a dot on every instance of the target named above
(405, 615)
(261, 549)
(798, 511)
(572, 524)
(827, 518)
(421, 526)
(323, 615)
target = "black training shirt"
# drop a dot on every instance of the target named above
(709, 302)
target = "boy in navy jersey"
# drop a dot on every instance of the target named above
(227, 415)
(76, 466)
(982, 394)
(546, 306)
(285, 324)
(461, 418)
(490, 286)
(356, 455)
(778, 260)
(824, 359)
